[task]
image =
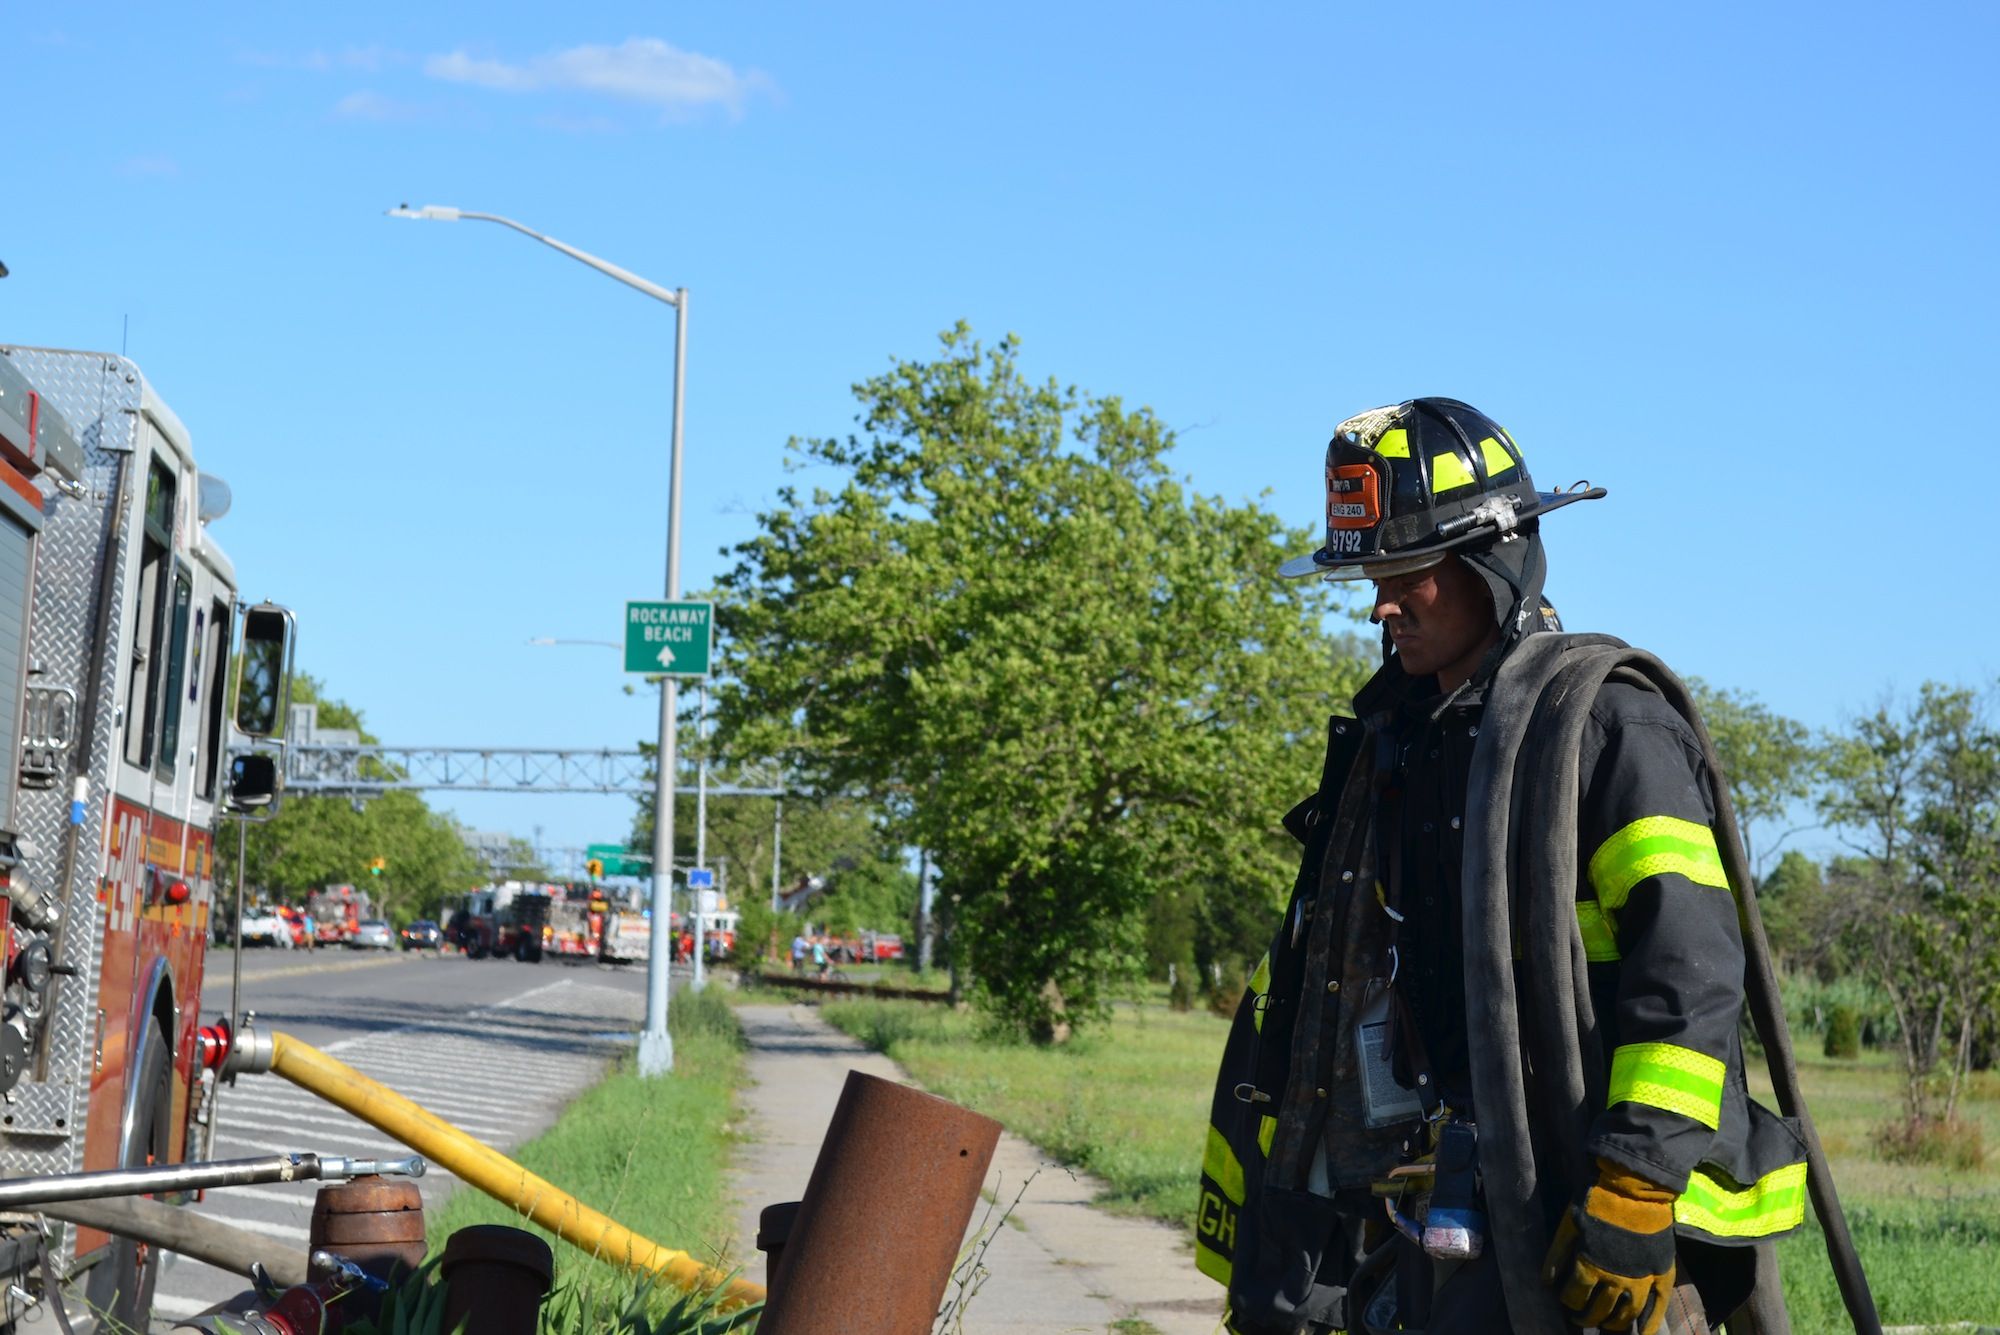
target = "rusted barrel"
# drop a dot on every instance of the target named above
(375, 1222)
(496, 1277)
(873, 1244)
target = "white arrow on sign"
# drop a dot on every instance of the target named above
(666, 659)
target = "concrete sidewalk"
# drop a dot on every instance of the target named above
(1058, 1265)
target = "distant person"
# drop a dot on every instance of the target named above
(799, 950)
(820, 966)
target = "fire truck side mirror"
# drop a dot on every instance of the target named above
(253, 780)
(264, 670)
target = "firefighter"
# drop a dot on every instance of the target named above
(1345, 1186)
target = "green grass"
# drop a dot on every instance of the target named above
(1129, 1103)
(652, 1154)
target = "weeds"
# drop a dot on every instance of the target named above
(971, 1274)
(1955, 1144)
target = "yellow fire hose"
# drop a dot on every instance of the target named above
(494, 1173)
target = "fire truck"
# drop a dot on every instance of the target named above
(336, 911)
(505, 921)
(118, 614)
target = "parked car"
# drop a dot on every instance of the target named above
(423, 934)
(372, 934)
(265, 926)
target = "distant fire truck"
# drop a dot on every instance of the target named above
(505, 921)
(117, 612)
(336, 911)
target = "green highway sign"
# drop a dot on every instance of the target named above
(619, 860)
(668, 639)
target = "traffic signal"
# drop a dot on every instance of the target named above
(378, 866)
(595, 867)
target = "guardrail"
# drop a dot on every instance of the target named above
(837, 986)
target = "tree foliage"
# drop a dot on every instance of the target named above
(1005, 622)
(1769, 761)
(317, 841)
(1915, 789)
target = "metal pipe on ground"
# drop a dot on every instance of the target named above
(892, 1191)
(33, 1193)
(222, 1245)
(482, 1166)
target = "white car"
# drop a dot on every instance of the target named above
(265, 926)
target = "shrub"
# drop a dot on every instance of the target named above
(1180, 988)
(1843, 1033)
(1227, 993)
(1955, 1144)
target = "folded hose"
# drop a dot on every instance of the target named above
(1526, 764)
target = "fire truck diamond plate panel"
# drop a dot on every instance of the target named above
(42, 1120)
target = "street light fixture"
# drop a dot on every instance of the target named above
(601, 644)
(656, 1047)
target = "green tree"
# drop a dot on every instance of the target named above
(822, 837)
(1915, 789)
(1770, 761)
(1015, 631)
(316, 841)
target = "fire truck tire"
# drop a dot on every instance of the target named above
(120, 1287)
(475, 949)
(529, 953)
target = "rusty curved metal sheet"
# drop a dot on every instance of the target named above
(877, 1235)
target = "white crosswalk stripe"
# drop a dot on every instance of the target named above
(546, 1045)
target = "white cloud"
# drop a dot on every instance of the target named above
(369, 105)
(640, 69)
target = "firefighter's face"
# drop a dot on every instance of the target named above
(1440, 620)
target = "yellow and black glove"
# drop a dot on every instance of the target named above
(1612, 1262)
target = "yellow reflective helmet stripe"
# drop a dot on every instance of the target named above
(1449, 473)
(1599, 945)
(1394, 444)
(1218, 1161)
(1774, 1203)
(1654, 846)
(1495, 454)
(1663, 1075)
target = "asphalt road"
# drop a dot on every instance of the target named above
(496, 1047)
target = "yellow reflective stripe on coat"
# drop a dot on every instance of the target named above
(1600, 946)
(1213, 1264)
(1260, 986)
(1394, 444)
(1662, 1075)
(1775, 1203)
(1267, 1128)
(1448, 473)
(1219, 1162)
(1654, 846)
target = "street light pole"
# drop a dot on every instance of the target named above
(656, 1046)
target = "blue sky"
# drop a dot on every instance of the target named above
(1736, 263)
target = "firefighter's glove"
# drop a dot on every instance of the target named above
(1612, 1262)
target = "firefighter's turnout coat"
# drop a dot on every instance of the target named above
(1285, 1212)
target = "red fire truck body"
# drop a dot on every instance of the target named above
(117, 610)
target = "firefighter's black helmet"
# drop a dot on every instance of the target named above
(1410, 483)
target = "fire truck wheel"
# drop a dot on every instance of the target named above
(120, 1287)
(475, 949)
(529, 953)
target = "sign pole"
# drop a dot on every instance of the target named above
(656, 1046)
(701, 839)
